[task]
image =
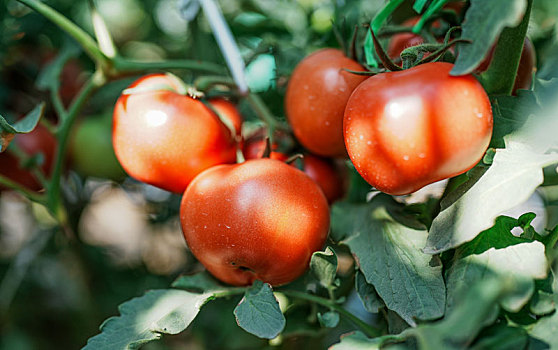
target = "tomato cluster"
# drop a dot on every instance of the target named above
(263, 218)
(260, 219)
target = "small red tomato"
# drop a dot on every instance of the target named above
(228, 110)
(525, 70)
(254, 149)
(254, 146)
(407, 129)
(165, 138)
(326, 175)
(261, 219)
(37, 141)
(317, 94)
(321, 170)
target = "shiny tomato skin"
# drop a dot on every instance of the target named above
(261, 219)
(228, 110)
(164, 138)
(37, 141)
(316, 97)
(404, 130)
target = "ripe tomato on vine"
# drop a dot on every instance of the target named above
(261, 219)
(317, 94)
(407, 129)
(165, 138)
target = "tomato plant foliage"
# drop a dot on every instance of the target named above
(219, 236)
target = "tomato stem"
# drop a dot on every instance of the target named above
(85, 40)
(375, 26)
(32, 196)
(53, 188)
(500, 76)
(264, 113)
(367, 329)
(124, 65)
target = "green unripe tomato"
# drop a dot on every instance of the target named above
(91, 149)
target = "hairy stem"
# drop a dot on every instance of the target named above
(123, 65)
(365, 327)
(53, 189)
(32, 196)
(85, 40)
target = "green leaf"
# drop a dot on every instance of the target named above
(201, 282)
(375, 26)
(23, 126)
(510, 114)
(390, 257)
(146, 318)
(462, 324)
(543, 334)
(502, 337)
(497, 252)
(49, 77)
(484, 21)
(359, 341)
(367, 294)
(259, 313)
(513, 177)
(329, 319)
(324, 267)
(260, 73)
(419, 5)
(542, 303)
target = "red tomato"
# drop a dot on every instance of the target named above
(317, 94)
(228, 110)
(404, 130)
(525, 69)
(254, 149)
(37, 141)
(261, 219)
(321, 170)
(164, 138)
(254, 146)
(326, 175)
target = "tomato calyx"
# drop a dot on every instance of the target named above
(350, 50)
(415, 55)
(418, 54)
(176, 85)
